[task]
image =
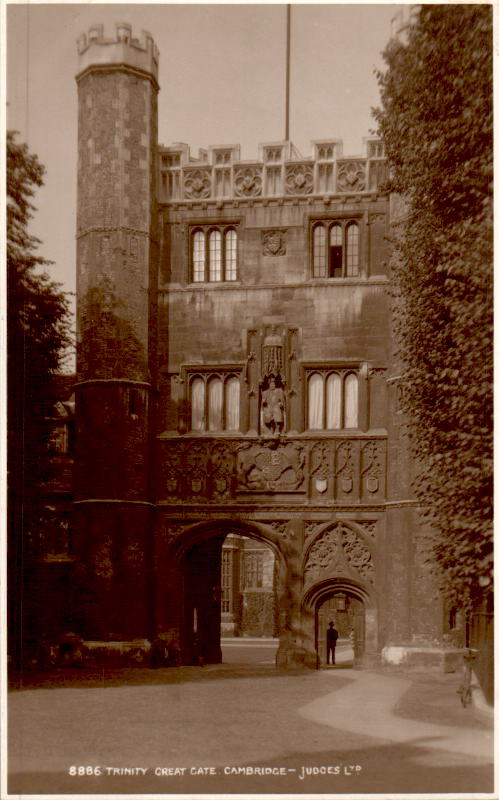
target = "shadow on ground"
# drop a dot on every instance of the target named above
(92, 678)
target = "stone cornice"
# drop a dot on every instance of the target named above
(115, 381)
(118, 67)
(221, 510)
(378, 280)
(271, 201)
(345, 433)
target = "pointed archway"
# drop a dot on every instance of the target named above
(195, 557)
(346, 603)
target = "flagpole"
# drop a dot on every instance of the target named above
(288, 48)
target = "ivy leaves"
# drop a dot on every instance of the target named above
(436, 121)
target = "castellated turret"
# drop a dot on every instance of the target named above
(116, 318)
(141, 54)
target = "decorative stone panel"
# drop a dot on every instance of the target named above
(345, 469)
(248, 181)
(197, 184)
(217, 470)
(351, 176)
(358, 554)
(339, 551)
(299, 179)
(321, 471)
(372, 469)
(310, 528)
(323, 555)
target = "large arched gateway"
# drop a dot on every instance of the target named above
(235, 375)
(194, 586)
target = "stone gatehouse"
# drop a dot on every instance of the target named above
(235, 377)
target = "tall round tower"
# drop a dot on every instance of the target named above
(116, 321)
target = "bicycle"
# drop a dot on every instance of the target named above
(465, 689)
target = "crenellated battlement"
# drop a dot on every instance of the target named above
(219, 172)
(95, 49)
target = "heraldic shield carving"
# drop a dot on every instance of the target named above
(274, 243)
(262, 467)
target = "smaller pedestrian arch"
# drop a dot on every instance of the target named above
(350, 607)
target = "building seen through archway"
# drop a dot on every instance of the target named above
(249, 593)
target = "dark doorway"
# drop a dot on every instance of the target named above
(347, 613)
(202, 602)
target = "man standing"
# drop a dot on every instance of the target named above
(332, 636)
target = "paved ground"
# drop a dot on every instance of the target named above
(333, 731)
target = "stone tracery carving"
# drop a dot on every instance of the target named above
(351, 176)
(358, 554)
(344, 465)
(369, 527)
(323, 554)
(220, 471)
(248, 181)
(339, 550)
(320, 465)
(299, 179)
(310, 528)
(197, 184)
(371, 469)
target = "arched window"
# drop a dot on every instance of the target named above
(336, 249)
(332, 400)
(215, 244)
(315, 402)
(214, 253)
(319, 255)
(333, 408)
(197, 404)
(351, 401)
(231, 255)
(215, 403)
(352, 265)
(232, 389)
(198, 256)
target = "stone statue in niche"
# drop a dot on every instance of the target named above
(273, 407)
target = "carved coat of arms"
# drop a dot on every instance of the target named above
(274, 243)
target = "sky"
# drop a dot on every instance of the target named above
(222, 78)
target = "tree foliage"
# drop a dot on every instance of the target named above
(38, 336)
(436, 121)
